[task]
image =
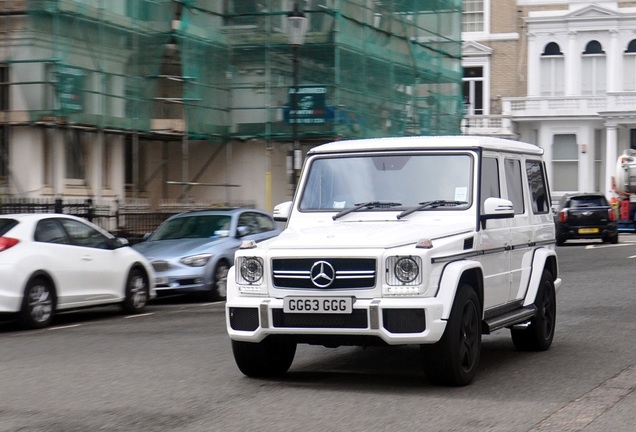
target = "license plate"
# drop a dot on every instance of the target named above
(588, 230)
(329, 305)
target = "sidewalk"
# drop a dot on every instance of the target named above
(609, 407)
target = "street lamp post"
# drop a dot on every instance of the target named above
(466, 114)
(297, 28)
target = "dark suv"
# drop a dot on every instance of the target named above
(585, 216)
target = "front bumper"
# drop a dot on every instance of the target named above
(394, 321)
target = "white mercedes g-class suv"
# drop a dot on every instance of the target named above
(431, 241)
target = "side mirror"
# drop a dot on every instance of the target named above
(242, 231)
(118, 242)
(146, 235)
(496, 208)
(282, 211)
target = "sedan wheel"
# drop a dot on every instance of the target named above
(220, 281)
(38, 304)
(136, 297)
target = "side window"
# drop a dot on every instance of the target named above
(537, 187)
(84, 235)
(489, 180)
(514, 182)
(49, 231)
(248, 220)
(265, 223)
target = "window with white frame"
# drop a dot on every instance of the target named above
(565, 163)
(599, 166)
(473, 89)
(593, 69)
(4, 130)
(552, 71)
(629, 67)
(473, 16)
(75, 157)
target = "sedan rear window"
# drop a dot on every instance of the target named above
(592, 201)
(6, 225)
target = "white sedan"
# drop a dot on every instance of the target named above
(54, 262)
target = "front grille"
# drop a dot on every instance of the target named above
(244, 319)
(357, 319)
(160, 265)
(324, 273)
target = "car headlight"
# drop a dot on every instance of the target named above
(404, 270)
(249, 270)
(196, 260)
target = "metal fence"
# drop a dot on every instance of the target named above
(130, 222)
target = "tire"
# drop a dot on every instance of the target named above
(38, 304)
(539, 334)
(560, 241)
(267, 359)
(614, 240)
(454, 360)
(137, 292)
(219, 287)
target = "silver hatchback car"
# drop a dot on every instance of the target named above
(191, 252)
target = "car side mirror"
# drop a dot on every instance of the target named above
(118, 242)
(282, 211)
(496, 208)
(242, 231)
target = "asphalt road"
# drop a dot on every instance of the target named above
(172, 370)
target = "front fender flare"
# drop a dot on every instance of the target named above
(449, 282)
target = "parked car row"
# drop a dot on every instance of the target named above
(54, 262)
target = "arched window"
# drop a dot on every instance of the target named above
(552, 49)
(593, 47)
(593, 75)
(629, 67)
(552, 71)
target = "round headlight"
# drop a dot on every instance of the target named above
(406, 269)
(251, 270)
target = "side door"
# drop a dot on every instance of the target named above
(97, 273)
(521, 231)
(494, 237)
(539, 228)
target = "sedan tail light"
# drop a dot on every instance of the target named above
(563, 216)
(611, 214)
(7, 242)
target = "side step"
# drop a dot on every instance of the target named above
(507, 319)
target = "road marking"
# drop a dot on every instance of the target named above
(579, 413)
(139, 315)
(607, 246)
(64, 327)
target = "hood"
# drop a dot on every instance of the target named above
(164, 249)
(366, 234)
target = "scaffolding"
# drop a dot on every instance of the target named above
(221, 71)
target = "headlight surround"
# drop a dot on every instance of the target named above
(249, 270)
(196, 260)
(404, 270)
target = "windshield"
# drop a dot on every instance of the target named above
(205, 226)
(397, 181)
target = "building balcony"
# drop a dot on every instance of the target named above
(489, 125)
(532, 108)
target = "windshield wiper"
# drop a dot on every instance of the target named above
(368, 205)
(430, 204)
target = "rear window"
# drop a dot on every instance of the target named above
(591, 201)
(6, 225)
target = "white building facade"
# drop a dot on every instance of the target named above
(581, 96)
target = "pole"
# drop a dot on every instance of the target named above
(297, 153)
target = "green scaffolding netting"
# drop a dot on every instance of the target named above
(225, 69)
